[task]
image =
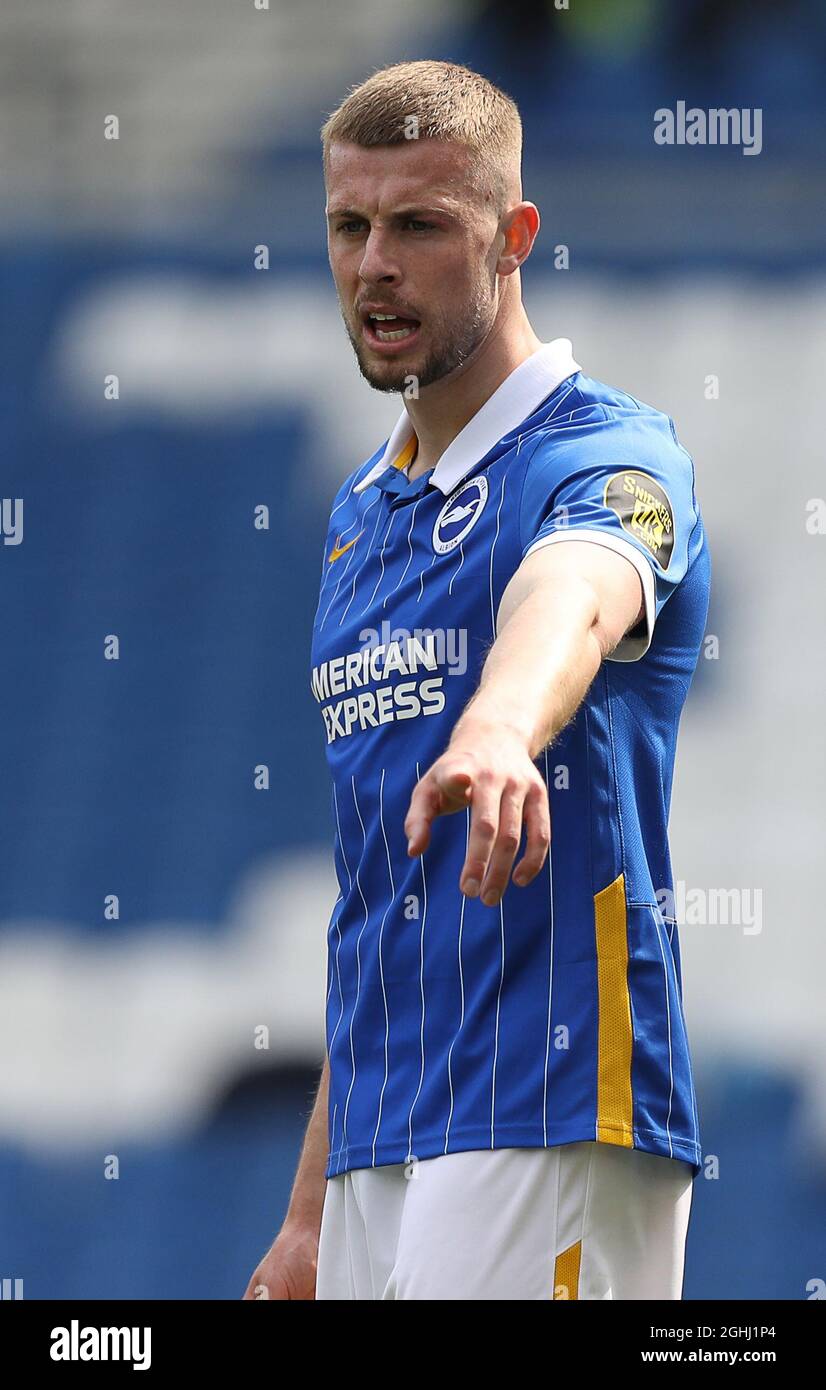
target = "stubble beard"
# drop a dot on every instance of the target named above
(452, 351)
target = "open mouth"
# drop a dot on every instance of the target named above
(388, 330)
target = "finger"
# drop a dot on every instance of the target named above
(456, 785)
(505, 846)
(484, 825)
(537, 817)
(425, 804)
(440, 791)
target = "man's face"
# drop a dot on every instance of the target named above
(409, 234)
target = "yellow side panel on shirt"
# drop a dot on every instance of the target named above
(566, 1273)
(615, 1106)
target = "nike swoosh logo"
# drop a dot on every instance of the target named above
(339, 550)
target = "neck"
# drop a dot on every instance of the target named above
(443, 409)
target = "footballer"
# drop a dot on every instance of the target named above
(513, 596)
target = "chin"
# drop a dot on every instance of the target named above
(386, 376)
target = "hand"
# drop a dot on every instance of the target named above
(288, 1269)
(487, 767)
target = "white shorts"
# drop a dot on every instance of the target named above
(578, 1221)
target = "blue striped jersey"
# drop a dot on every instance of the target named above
(557, 1015)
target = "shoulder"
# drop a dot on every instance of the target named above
(596, 426)
(608, 462)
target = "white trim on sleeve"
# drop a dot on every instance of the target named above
(630, 648)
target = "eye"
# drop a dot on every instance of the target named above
(349, 227)
(419, 226)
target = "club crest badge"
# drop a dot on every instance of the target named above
(460, 514)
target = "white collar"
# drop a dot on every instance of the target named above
(511, 403)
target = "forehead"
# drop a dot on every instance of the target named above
(410, 172)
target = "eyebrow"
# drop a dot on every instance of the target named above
(417, 210)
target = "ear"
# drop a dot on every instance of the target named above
(520, 227)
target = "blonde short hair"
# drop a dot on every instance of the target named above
(430, 100)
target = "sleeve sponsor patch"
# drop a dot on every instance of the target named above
(645, 512)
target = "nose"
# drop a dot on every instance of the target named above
(378, 266)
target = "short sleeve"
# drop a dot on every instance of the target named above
(621, 480)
